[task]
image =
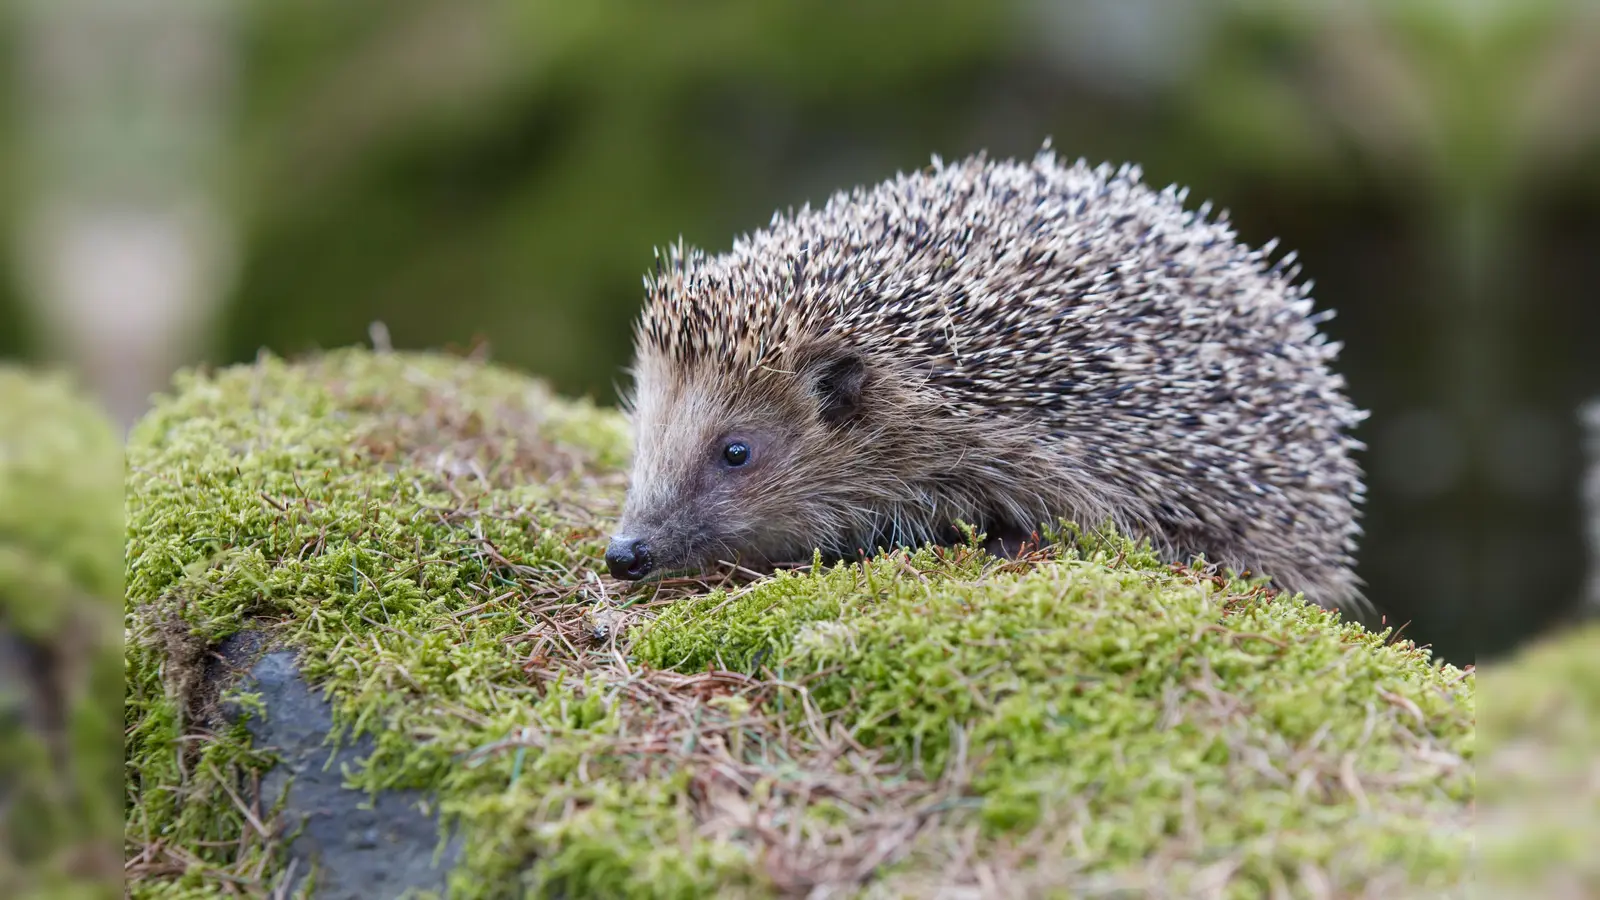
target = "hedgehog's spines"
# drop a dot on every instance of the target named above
(1179, 376)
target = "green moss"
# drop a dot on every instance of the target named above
(427, 530)
(60, 576)
(1137, 709)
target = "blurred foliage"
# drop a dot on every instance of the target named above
(60, 676)
(1539, 809)
(13, 335)
(504, 169)
(13, 332)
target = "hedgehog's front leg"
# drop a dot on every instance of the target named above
(1003, 541)
(1010, 541)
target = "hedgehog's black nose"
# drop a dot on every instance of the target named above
(628, 558)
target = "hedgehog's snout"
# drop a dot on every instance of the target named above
(628, 558)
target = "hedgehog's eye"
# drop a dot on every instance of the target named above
(737, 453)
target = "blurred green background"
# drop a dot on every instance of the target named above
(501, 170)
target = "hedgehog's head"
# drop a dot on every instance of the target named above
(744, 465)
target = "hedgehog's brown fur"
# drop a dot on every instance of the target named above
(1004, 344)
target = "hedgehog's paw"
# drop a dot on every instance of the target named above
(1010, 542)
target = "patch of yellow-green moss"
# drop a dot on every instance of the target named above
(60, 576)
(427, 530)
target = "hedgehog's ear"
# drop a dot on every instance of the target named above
(838, 378)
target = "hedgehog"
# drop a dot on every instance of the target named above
(991, 346)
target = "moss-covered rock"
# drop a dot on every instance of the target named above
(60, 577)
(425, 534)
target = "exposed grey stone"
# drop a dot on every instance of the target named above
(361, 849)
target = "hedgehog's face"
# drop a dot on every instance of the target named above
(726, 468)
